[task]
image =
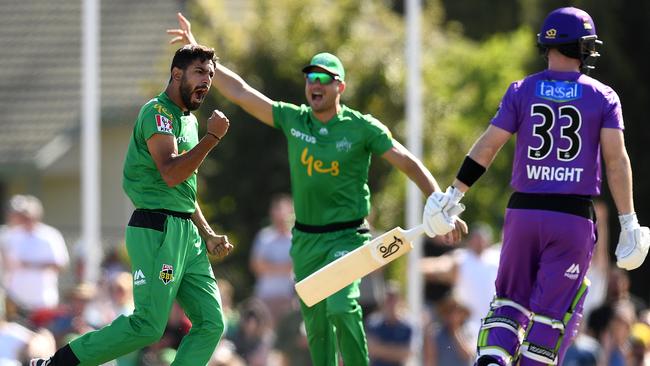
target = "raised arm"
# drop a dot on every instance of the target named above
(229, 84)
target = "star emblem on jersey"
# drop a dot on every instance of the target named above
(167, 273)
(344, 145)
(323, 131)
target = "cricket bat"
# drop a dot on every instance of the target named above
(356, 264)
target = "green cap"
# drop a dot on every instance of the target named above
(327, 62)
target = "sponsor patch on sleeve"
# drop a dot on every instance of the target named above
(163, 124)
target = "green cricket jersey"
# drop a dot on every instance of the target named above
(142, 181)
(329, 161)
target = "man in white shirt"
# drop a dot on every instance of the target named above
(270, 259)
(471, 270)
(34, 255)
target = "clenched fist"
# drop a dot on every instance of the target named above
(218, 124)
(218, 245)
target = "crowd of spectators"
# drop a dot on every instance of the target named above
(266, 329)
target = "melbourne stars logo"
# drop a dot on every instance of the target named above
(343, 145)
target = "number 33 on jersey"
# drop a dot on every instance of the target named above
(557, 117)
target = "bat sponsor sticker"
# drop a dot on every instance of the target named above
(387, 249)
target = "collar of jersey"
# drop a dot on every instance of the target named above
(176, 110)
(336, 119)
(562, 75)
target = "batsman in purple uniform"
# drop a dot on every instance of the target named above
(563, 120)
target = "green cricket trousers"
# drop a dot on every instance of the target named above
(169, 261)
(336, 321)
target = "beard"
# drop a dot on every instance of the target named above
(186, 96)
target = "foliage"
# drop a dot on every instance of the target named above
(622, 26)
(269, 52)
(463, 83)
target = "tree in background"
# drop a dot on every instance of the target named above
(622, 26)
(471, 51)
(463, 81)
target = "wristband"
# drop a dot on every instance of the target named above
(470, 171)
(215, 136)
(628, 222)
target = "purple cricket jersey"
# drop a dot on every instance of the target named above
(557, 117)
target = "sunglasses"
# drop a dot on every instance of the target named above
(322, 77)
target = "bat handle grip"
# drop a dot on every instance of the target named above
(414, 232)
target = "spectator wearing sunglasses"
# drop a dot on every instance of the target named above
(330, 147)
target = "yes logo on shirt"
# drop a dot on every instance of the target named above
(318, 165)
(163, 124)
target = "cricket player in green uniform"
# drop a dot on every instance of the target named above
(167, 236)
(330, 146)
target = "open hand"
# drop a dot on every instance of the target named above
(183, 34)
(218, 245)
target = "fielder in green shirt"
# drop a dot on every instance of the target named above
(167, 237)
(330, 147)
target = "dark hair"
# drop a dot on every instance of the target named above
(599, 318)
(187, 54)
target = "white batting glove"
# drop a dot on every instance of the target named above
(633, 243)
(440, 212)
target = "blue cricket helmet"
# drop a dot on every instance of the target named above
(573, 33)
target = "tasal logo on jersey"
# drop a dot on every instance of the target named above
(138, 278)
(558, 91)
(573, 271)
(163, 124)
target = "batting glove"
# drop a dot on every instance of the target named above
(633, 243)
(440, 212)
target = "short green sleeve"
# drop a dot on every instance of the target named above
(156, 119)
(380, 139)
(286, 113)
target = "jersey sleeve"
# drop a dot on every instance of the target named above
(154, 120)
(612, 113)
(506, 116)
(380, 139)
(284, 114)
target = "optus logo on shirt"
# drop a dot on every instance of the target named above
(303, 136)
(318, 165)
